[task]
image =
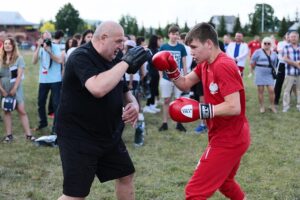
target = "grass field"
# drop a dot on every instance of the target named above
(269, 170)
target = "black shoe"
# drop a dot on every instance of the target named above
(180, 127)
(163, 127)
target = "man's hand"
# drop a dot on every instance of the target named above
(130, 113)
(47, 48)
(135, 58)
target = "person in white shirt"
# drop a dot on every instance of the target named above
(280, 68)
(238, 50)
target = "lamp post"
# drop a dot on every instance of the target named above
(262, 17)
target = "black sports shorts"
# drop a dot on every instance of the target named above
(82, 160)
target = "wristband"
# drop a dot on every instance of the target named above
(206, 111)
(174, 75)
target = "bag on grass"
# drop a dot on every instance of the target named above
(47, 140)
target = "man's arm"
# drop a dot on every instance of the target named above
(230, 106)
(36, 52)
(99, 85)
(57, 58)
(185, 83)
(131, 110)
(184, 67)
(291, 62)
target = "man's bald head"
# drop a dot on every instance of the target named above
(107, 28)
(108, 39)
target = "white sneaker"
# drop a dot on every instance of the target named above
(285, 109)
(147, 109)
(153, 107)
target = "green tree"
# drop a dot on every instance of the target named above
(151, 32)
(237, 26)
(270, 22)
(222, 27)
(142, 31)
(283, 28)
(129, 24)
(159, 31)
(247, 30)
(254, 27)
(185, 28)
(68, 19)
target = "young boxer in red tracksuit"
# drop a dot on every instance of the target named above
(224, 111)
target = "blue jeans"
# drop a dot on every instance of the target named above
(44, 89)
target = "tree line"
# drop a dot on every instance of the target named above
(68, 20)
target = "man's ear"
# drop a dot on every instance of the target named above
(209, 44)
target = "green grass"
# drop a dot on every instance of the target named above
(269, 170)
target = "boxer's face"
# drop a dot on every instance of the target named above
(199, 50)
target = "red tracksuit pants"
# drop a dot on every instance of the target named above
(216, 170)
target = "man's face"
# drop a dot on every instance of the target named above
(226, 39)
(199, 51)
(46, 35)
(173, 36)
(238, 37)
(294, 38)
(112, 44)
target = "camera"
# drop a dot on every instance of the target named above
(47, 41)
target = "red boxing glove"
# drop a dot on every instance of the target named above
(164, 61)
(188, 110)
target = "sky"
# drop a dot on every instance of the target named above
(149, 12)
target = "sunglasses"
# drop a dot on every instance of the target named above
(267, 43)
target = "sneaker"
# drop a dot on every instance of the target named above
(147, 109)
(163, 127)
(153, 107)
(8, 139)
(200, 129)
(30, 138)
(285, 109)
(180, 127)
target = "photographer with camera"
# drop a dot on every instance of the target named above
(50, 75)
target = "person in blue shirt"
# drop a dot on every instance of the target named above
(50, 75)
(167, 87)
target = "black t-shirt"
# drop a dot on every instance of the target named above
(80, 114)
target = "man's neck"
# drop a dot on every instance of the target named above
(294, 45)
(214, 55)
(56, 41)
(173, 43)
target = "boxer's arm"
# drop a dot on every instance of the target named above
(230, 106)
